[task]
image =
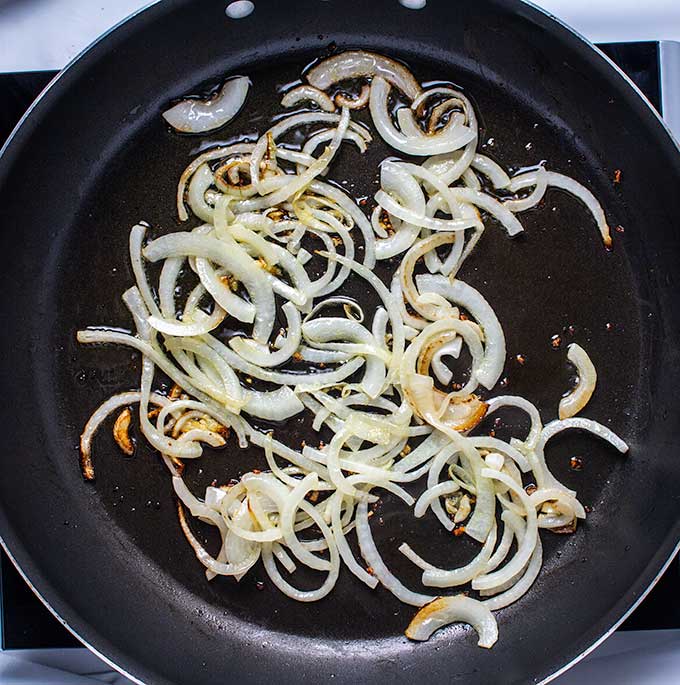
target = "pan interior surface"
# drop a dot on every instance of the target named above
(98, 158)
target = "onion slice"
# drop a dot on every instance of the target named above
(199, 116)
(310, 94)
(571, 404)
(446, 610)
(361, 64)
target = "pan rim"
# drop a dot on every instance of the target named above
(41, 579)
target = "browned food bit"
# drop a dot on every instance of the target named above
(277, 214)
(617, 176)
(464, 413)
(530, 489)
(521, 359)
(178, 464)
(385, 221)
(86, 467)
(576, 464)
(567, 529)
(121, 432)
(230, 282)
(203, 422)
(556, 341)
(458, 531)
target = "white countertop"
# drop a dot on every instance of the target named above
(47, 34)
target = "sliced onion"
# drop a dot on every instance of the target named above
(309, 94)
(235, 261)
(263, 206)
(446, 610)
(582, 193)
(571, 404)
(354, 101)
(372, 557)
(460, 293)
(361, 64)
(447, 140)
(198, 116)
(538, 180)
(555, 427)
(99, 415)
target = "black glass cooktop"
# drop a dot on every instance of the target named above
(26, 623)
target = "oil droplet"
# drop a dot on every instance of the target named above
(504, 382)
(571, 330)
(521, 359)
(259, 585)
(609, 326)
(556, 341)
(528, 146)
(490, 142)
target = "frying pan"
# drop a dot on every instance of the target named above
(92, 157)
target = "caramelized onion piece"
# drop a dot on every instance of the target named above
(121, 432)
(459, 608)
